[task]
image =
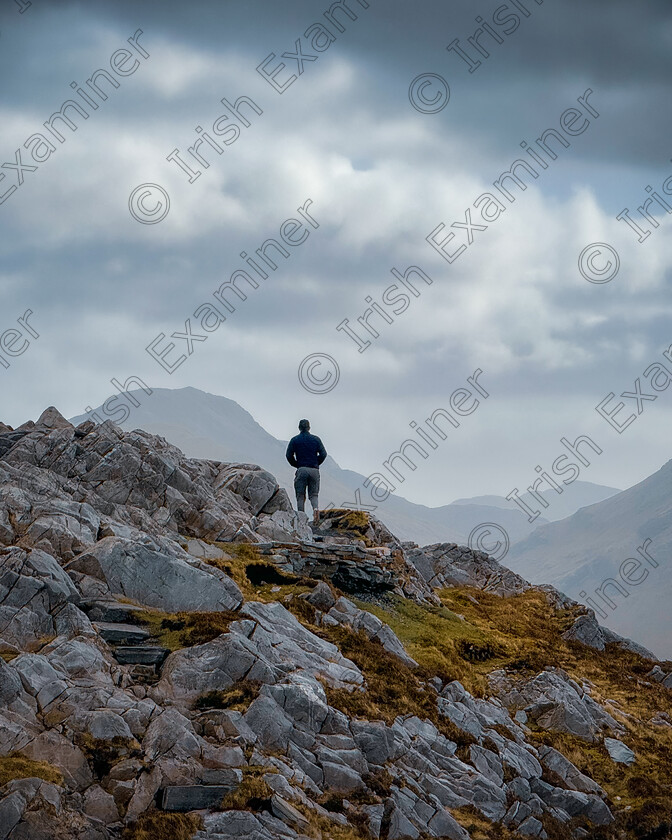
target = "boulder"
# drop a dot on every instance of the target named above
(51, 418)
(321, 597)
(587, 631)
(193, 797)
(61, 753)
(374, 739)
(151, 576)
(554, 702)
(285, 526)
(253, 484)
(39, 678)
(619, 752)
(448, 564)
(562, 768)
(100, 805)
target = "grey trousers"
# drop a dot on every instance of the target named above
(306, 478)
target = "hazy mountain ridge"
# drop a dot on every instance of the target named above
(208, 426)
(583, 493)
(579, 553)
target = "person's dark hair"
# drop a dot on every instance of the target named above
(304, 425)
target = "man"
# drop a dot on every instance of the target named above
(306, 452)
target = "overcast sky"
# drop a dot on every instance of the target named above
(382, 175)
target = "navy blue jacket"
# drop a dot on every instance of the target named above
(305, 450)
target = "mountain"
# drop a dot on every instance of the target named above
(208, 426)
(583, 553)
(579, 494)
(182, 657)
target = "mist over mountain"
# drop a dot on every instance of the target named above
(589, 552)
(208, 426)
(577, 495)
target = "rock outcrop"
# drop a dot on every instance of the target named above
(114, 548)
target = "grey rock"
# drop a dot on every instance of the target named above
(121, 633)
(171, 582)
(269, 723)
(193, 797)
(100, 805)
(587, 631)
(11, 684)
(102, 724)
(517, 813)
(39, 678)
(374, 814)
(447, 564)
(79, 658)
(285, 525)
(488, 763)
(573, 802)
(461, 716)
(374, 739)
(531, 827)
(51, 418)
(345, 612)
(515, 757)
(556, 763)
(12, 807)
(656, 673)
(140, 655)
(223, 777)
(321, 597)
(400, 827)
(553, 702)
(16, 731)
(253, 484)
(288, 813)
(111, 610)
(340, 777)
(70, 621)
(619, 752)
(443, 824)
(64, 755)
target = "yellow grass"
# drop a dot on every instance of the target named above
(17, 766)
(156, 825)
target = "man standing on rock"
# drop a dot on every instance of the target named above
(306, 452)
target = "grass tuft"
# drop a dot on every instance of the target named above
(255, 576)
(252, 794)
(102, 754)
(238, 697)
(17, 766)
(157, 825)
(184, 629)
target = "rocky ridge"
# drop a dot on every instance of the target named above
(181, 651)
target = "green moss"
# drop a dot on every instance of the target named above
(392, 688)
(439, 640)
(17, 766)
(156, 825)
